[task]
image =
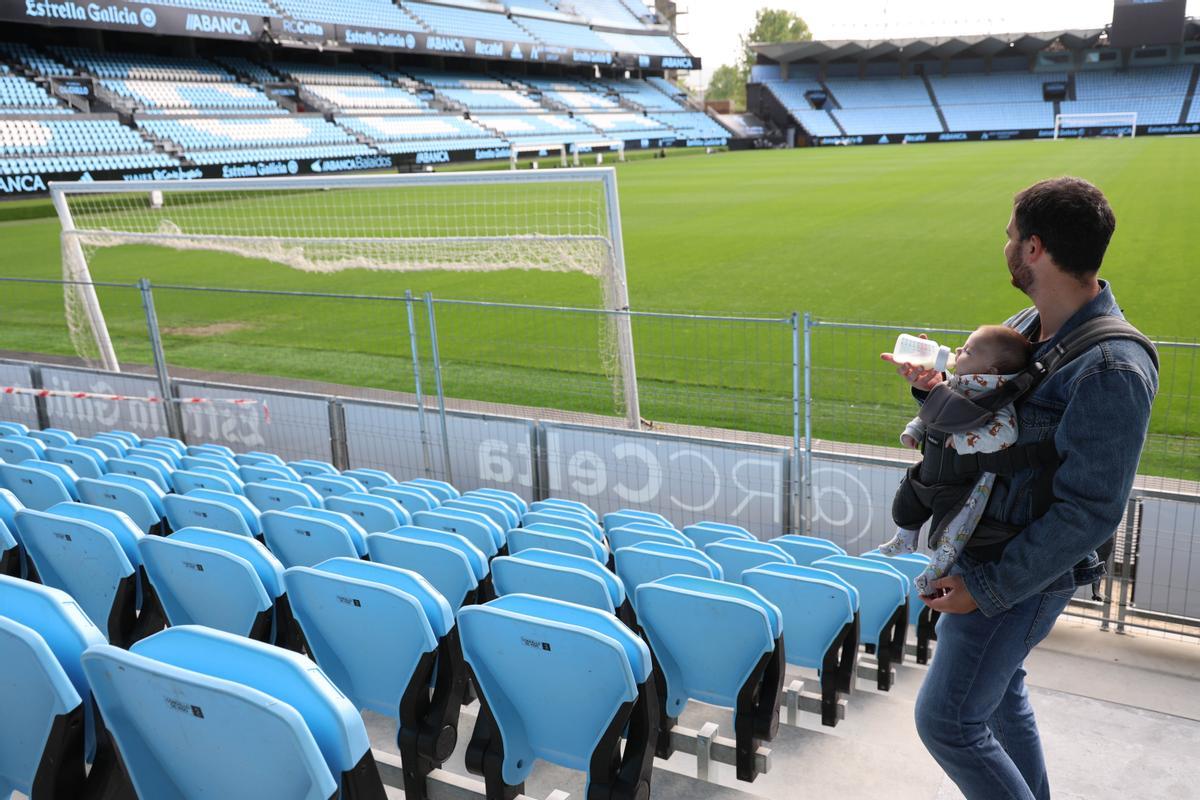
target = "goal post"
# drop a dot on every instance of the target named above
(515, 151)
(1117, 123)
(613, 144)
(565, 220)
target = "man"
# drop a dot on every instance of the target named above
(973, 712)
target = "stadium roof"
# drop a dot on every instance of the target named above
(927, 46)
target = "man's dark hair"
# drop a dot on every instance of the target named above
(1071, 217)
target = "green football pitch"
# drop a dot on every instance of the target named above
(906, 235)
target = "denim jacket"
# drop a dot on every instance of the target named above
(1097, 410)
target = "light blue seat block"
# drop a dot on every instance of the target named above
(738, 555)
(807, 549)
(157, 472)
(299, 537)
(626, 516)
(477, 528)
(307, 467)
(255, 457)
(525, 573)
(185, 511)
(703, 534)
(54, 437)
(541, 536)
(558, 503)
(261, 473)
(375, 514)
(566, 518)
(494, 509)
(372, 478)
(233, 500)
(83, 461)
(204, 449)
(648, 561)
(512, 499)
(412, 498)
(332, 485)
(815, 604)
(184, 481)
(882, 591)
(16, 448)
(273, 497)
(447, 567)
(35, 488)
(439, 489)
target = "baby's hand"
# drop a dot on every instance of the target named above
(909, 442)
(918, 377)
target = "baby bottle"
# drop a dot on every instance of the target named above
(922, 353)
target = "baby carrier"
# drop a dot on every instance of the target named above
(943, 479)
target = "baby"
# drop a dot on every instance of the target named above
(991, 356)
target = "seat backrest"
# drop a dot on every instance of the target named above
(257, 457)
(185, 481)
(590, 566)
(154, 471)
(83, 559)
(815, 608)
(447, 568)
(514, 500)
(806, 549)
(310, 466)
(204, 449)
(552, 503)
(185, 511)
(13, 429)
(268, 568)
(302, 540)
(158, 452)
(83, 461)
(127, 438)
(649, 561)
(316, 499)
(564, 518)
(268, 497)
(703, 534)
(371, 478)
(17, 448)
(246, 719)
(233, 500)
(495, 510)
(259, 473)
(707, 635)
(214, 460)
(168, 442)
(881, 590)
(738, 555)
(127, 494)
(478, 529)
(575, 542)
(910, 565)
(65, 474)
(626, 516)
(54, 437)
(520, 575)
(554, 699)
(412, 498)
(439, 489)
(333, 485)
(373, 513)
(629, 535)
(116, 522)
(367, 626)
(34, 488)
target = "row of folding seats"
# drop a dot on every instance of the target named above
(367, 98)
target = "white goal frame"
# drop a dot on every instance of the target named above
(615, 144)
(615, 286)
(515, 150)
(1131, 116)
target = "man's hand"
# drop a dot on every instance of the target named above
(950, 596)
(918, 377)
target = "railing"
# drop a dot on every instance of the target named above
(780, 424)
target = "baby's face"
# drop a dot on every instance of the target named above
(973, 358)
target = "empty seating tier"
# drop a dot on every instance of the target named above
(192, 97)
(367, 13)
(367, 98)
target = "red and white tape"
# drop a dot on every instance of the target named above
(233, 401)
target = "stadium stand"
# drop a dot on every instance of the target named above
(20, 95)
(169, 96)
(562, 33)
(366, 98)
(454, 21)
(74, 144)
(649, 45)
(368, 13)
(214, 137)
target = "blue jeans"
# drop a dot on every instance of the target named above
(973, 712)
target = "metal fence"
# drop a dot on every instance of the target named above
(786, 424)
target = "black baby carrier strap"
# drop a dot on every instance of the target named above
(991, 535)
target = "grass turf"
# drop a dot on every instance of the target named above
(906, 234)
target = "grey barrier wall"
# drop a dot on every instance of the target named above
(18, 407)
(88, 416)
(684, 479)
(293, 425)
(851, 500)
(1167, 558)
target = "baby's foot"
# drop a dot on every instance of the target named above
(905, 541)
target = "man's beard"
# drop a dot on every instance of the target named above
(1022, 275)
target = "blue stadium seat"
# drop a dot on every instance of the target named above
(448, 566)
(307, 467)
(185, 480)
(304, 537)
(559, 539)
(413, 498)
(231, 479)
(261, 473)
(138, 498)
(494, 509)
(246, 719)
(920, 616)
(35, 488)
(629, 535)
(232, 500)
(384, 649)
(883, 608)
(332, 485)
(703, 534)
(738, 555)
(168, 442)
(52, 437)
(255, 457)
(209, 459)
(373, 513)
(807, 549)
(648, 561)
(276, 497)
(65, 474)
(221, 580)
(17, 448)
(567, 701)
(205, 449)
(113, 448)
(820, 624)
(512, 499)
(552, 503)
(91, 553)
(722, 644)
(564, 518)
(371, 478)
(156, 450)
(128, 438)
(546, 573)
(477, 528)
(49, 726)
(439, 489)
(83, 461)
(186, 511)
(13, 429)
(316, 499)
(626, 516)
(155, 472)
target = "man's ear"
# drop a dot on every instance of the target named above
(1034, 247)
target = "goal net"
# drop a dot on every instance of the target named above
(565, 220)
(537, 149)
(1115, 124)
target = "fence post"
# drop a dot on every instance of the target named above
(808, 436)
(1111, 564)
(339, 450)
(441, 394)
(416, 360)
(1134, 521)
(799, 520)
(170, 407)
